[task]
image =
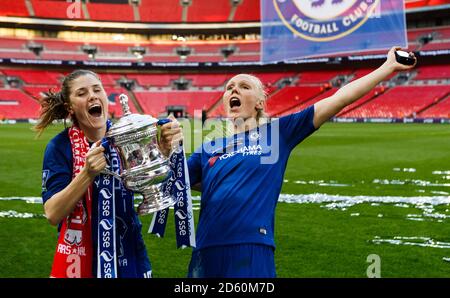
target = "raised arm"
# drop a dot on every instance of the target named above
(330, 106)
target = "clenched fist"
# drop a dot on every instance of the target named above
(170, 136)
(95, 160)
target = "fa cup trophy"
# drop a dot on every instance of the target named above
(144, 168)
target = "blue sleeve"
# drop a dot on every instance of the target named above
(57, 167)
(296, 127)
(195, 167)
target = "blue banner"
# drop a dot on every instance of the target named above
(293, 29)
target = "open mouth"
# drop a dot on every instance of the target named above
(235, 102)
(95, 110)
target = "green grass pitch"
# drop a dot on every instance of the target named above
(312, 241)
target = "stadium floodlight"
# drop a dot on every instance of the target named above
(227, 51)
(14, 82)
(423, 40)
(181, 84)
(36, 48)
(183, 52)
(90, 50)
(127, 84)
(135, 2)
(235, 2)
(138, 51)
(185, 2)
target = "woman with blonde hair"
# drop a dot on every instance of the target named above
(240, 189)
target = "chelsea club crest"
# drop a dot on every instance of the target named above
(254, 136)
(324, 20)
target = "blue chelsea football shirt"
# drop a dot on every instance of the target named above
(241, 178)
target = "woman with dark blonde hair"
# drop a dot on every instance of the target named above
(241, 175)
(99, 231)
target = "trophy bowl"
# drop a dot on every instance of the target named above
(144, 169)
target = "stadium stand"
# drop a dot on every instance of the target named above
(400, 102)
(422, 92)
(15, 104)
(110, 12)
(157, 11)
(160, 11)
(202, 11)
(13, 8)
(50, 9)
(441, 109)
(247, 11)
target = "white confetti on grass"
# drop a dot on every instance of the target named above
(354, 200)
(30, 200)
(441, 172)
(411, 170)
(335, 202)
(15, 214)
(412, 241)
(417, 182)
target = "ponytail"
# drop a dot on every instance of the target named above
(54, 106)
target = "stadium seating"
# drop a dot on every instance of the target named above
(440, 109)
(289, 97)
(155, 103)
(206, 90)
(203, 11)
(160, 11)
(35, 77)
(152, 80)
(318, 77)
(110, 12)
(366, 98)
(433, 72)
(36, 91)
(436, 45)
(209, 80)
(306, 103)
(15, 104)
(248, 10)
(114, 108)
(400, 102)
(51, 9)
(14, 8)
(423, 92)
(423, 3)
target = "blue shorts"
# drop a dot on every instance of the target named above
(240, 260)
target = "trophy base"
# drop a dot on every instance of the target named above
(153, 202)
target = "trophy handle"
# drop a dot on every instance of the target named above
(105, 143)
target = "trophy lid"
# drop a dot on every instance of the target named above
(129, 123)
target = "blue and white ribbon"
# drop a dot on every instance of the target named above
(178, 186)
(115, 228)
(106, 243)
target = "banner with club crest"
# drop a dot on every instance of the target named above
(294, 29)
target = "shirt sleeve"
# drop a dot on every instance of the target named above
(195, 167)
(56, 170)
(298, 126)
